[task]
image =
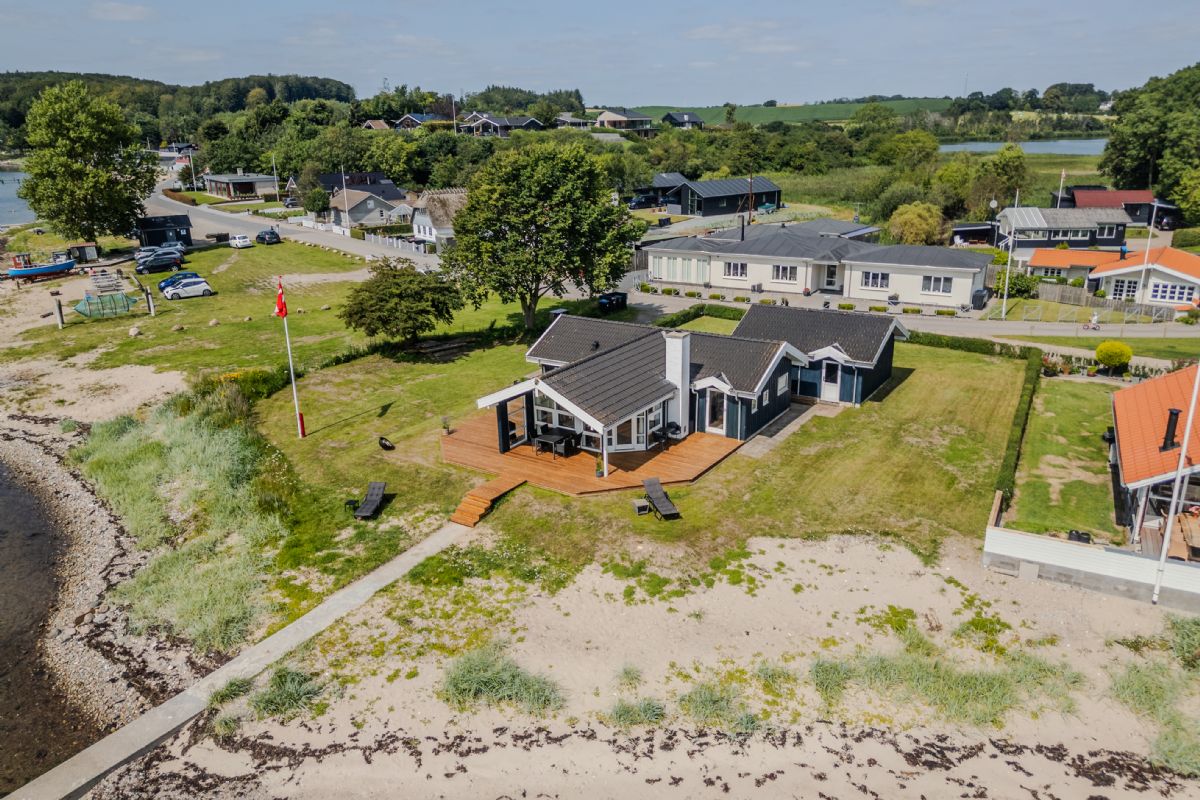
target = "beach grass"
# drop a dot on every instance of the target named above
(235, 688)
(647, 711)
(1063, 478)
(288, 693)
(489, 676)
(718, 705)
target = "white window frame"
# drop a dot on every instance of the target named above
(783, 385)
(765, 397)
(736, 266)
(777, 270)
(1106, 231)
(1052, 272)
(1124, 287)
(1172, 292)
(875, 280)
(937, 284)
(1078, 234)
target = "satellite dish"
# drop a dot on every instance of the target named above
(992, 205)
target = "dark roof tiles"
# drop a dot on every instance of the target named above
(859, 335)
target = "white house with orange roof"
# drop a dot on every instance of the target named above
(1050, 262)
(1165, 276)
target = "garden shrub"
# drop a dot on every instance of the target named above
(644, 287)
(911, 310)
(846, 306)
(1114, 354)
(715, 296)
(699, 310)
(179, 196)
(879, 309)
(1186, 237)
(691, 294)
(946, 312)
(766, 301)
(741, 298)
(671, 291)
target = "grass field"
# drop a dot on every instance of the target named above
(711, 325)
(1063, 480)
(918, 464)
(40, 245)
(715, 115)
(1022, 310)
(1168, 348)
(204, 198)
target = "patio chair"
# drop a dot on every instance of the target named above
(371, 502)
(662, 505)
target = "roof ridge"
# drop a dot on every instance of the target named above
(597, 354)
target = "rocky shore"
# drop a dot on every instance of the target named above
(108, 672)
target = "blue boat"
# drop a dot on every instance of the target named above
(23, 268)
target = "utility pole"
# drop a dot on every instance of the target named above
(346, 200)
(750, 199)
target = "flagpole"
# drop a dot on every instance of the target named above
(1062, 179)
(1176, 489)
(287, 338)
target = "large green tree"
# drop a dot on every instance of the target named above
(88, 174)
(537, 220)
(917, 223)
(399, 302)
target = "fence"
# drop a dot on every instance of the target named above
(396, 242)
(1096, 567)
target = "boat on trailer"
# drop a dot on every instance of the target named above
(24, 269)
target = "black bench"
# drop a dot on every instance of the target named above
(371, 501)
(662, 505)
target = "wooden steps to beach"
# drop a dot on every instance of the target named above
(479, 500)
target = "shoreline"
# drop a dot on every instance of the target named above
(106, 672)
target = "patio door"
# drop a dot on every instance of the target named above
(833, 278)
(716, 412)
(517, 432)
(628, 434)
(831, 382)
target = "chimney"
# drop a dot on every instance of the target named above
(239, 170)
(679, 372)
(1169, 442)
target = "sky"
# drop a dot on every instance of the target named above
(661, 52)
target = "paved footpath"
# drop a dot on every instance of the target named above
(75, 776)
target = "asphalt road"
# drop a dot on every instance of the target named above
(206, 220)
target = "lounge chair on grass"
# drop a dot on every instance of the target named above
(371, 501)
(662, 505)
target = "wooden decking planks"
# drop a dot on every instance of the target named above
(473, 444)
(479, 501)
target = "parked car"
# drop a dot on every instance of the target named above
(1165, 223)
(291, 202)
(267, 237)
(190, 287)
(174, 279)
(240, 240)
(643, 201)
(144, 252)
(160, 262)
(174, 247)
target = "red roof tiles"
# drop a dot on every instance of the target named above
(1140, 419)
(1111, 198)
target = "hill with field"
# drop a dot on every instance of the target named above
(800, 113)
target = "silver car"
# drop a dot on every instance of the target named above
(189, 287)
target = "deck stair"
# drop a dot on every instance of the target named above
(479, 501)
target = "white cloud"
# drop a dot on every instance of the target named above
(119, 12)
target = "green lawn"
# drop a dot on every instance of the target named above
(1168, 348)
(1063, 479)
(711, 325)
(204, 198)
(41, 245)
(1022, 310)
(235, 208)
(919, 464)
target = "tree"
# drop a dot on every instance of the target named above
(1006, 172)
(1019, 284)
(316, 201)
(544, 112)
(256, 97)
(88, 174)
(1187, 195)
(399, 302)
(537, 219)
(916, 223)
(730, 113)
(391, 154)
(912, 152)
(769, 104)
(1114, 354)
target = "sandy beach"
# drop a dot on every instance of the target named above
(386, 731)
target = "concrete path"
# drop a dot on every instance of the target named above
(75, 776)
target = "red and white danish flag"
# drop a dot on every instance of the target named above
(280, 303)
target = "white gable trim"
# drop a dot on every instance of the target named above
(507, 393)
(536, 385)
(533, 347)
(787, 350)
(713, 382)
(896, 328)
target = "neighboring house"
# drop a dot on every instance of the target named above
(663, 184)
(1164, 276)
(375, 183)
(156, 231)
(489, 125)
(1148, 430)
(241, 185)
(683, 119)
(377, 125)
(1068, 264)
(413, 121)
(569, 120)
(619, 387)
(1139, 204)
(366, 208)
(433, 215)
(786, 259)
(626, 120)
(1077, 227)
(727, 196)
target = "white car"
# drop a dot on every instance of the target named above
(189, 287)
(241, 240)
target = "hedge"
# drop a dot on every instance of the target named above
(878, 309)
(699, 310)
(946, 312)
(179, 196)
(846, 306)
(741, 298)
(1186, 237)
(911, 310)
(1006, 479)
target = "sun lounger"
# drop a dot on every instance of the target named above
(662, 505)
(371, 502)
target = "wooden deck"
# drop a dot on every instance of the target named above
(473, 444)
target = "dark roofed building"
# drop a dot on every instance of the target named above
(160, 230)
(687, 120)
(726, 196)
(414, 120)
(844, 228)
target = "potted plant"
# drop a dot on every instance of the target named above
(599, 467)
(446, 425)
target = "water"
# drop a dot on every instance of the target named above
(1057, 147)
(38, 728)
(13, 210)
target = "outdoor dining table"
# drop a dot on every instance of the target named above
(1189, 529)
(550, 440)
